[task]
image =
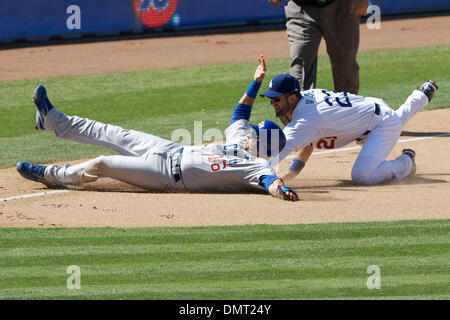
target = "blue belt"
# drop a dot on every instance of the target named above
(176, 165)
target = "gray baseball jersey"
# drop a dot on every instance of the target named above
(152, 162)
(228, 167)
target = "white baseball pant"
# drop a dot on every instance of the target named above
(370, 166)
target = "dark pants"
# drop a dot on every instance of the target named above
(306, 25)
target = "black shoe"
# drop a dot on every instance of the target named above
(429, 88)
(412, 154)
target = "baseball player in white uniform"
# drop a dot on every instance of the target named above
(154, 163)
(328, 120)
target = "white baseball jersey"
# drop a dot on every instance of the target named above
(329, 120)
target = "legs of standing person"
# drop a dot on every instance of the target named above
(304, 39)
(341, 34)
(370, 166)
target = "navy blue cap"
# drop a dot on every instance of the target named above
(282, 84)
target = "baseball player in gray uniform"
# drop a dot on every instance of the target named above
(154, 163)
(329, 120)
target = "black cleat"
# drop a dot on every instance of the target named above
(429, 88)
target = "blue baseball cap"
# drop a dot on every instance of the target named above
(264, 131)
(282, 84)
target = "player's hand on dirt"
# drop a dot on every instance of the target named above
(260, 69)
(287, 193)
(275, 2)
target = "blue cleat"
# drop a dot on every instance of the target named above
(43, 106)
(429, 88)
(32, 171)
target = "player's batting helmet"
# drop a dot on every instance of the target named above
(271, 139)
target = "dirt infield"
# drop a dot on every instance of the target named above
(326, 190)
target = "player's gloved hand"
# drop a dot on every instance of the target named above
(287, 193)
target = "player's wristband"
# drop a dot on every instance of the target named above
(296, 166)
(252, 91)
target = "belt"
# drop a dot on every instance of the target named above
(318, 3)
(377, 112)
(176, 165)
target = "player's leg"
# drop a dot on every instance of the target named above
(304, 36)
(371, 167)
(126, 142)
(151, 173)
(416, 102)
(82, 130)
(341, 34)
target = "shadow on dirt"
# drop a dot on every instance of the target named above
(421, 179)
(326, 186)
(424, 134)
(349, 185)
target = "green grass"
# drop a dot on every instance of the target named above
(323, 261)
(160, 101)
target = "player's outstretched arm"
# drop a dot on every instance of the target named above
(245, 104)
(279, 190)
(298, 163)
(249, 96)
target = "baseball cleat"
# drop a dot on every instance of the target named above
(43, 106)
(429, 88)
(31, 171)
(412, 154)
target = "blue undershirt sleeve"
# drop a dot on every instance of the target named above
(267, 180)
(242, 111)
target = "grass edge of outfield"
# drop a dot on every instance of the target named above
(308, 261)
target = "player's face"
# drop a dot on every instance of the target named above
(250, 145)
(280, 105)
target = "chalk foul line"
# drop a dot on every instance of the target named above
(40, 194)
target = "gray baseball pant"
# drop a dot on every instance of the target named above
(145, 159)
